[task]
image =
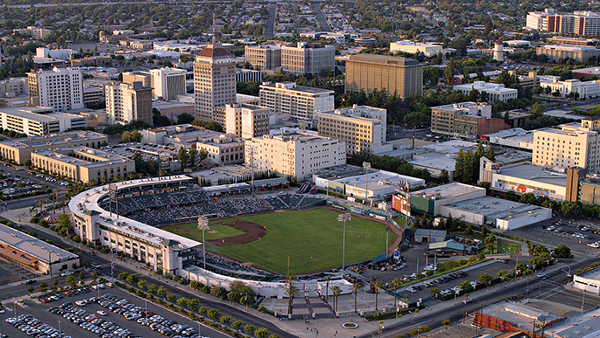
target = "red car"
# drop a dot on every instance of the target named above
(44, 300)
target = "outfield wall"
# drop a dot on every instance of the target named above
(310, 288)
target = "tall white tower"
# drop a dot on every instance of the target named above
(498, 51)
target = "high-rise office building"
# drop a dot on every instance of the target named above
(126, 102)
(263, 56)
(214, 80)
(167, 83)
(60, 89)
(307, 58)
(398, 75)
(299, 102)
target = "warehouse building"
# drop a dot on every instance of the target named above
(33, 253)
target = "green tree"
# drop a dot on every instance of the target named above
(30, 289)
(290, 291)
(152, 288)
(162, 292)
(249, 329)
(563, 251)
(261, 333)
(81, 275)
(171, 297)
(490, 154)
(484, 278)
(459, 166)
(237, 324)
(378, 286)
(71, 280)
(537, 109)
(142, 284)
(435, 292)
(449, 72)
(185, 118)
(182, 301)
(133, 279)
(355, 289)
(183, 156)
(335, 290)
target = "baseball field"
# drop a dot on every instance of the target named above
(312, 239)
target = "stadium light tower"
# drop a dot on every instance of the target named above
(203, 225)
(344, 218)
(367, 166)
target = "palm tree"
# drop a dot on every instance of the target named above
(396, 282)
(336, 290)
(327, 279)
(355, 288)
(378, 285)
(290, 291)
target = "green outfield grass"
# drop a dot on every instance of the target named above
(312, 240)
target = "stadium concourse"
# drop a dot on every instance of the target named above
(144, 203)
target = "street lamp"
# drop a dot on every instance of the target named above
(344, 218)
(59, 330)
(203, 225)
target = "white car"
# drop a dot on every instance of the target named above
(66, 273)
(100, 312)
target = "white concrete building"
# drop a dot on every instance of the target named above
(307, 58)
(38, 121)
(61, 54)
(296, 101)
(161, 250)
(588, 281)
(582, 90)
(59, 88)
(411, 47)
(363, 128)
(222, 150)
(540, 21)
(296, 154)
(516, 138)
(569, 148)
(167, 83)
(496, 91)
(126, 102)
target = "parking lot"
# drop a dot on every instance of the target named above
(77, 316)
(576, 234)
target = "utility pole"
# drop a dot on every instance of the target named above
(344, 218)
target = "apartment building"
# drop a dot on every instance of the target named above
(467, 120)
(38, 121)
(296, 101)
(264, 57)
(363, 128)
(567, 147)
(495, 91)
(83, 164)
(93, 95)
(126, 102)
(579, 22)
(167, 83)
(246, 121)
(296, 154)
(398, 75)
(138, 76)
(19, 150)
(307, 58)
(583, 90)
(58, 88)
(37, 33)
(214, 80)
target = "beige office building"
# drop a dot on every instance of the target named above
(214, 80)
(126, 102)
(307, 58)
(20, 149)
(296, 101)
(13, 87)
(246, 121)
(577, 53)
(579, 147)
(393, 74)
(138, 76)
(168, 83)
(83, 164)
(263, 56)
(297, 154)
(363, 128)
(223, 150)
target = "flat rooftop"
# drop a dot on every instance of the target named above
(384, 59)
(33, 246)
(522, 316)
(571, 48)
(380, 180)
(65, 155)
(302, 89)
(536, 173)
(446, 190)
(514, 134)
(53, 139)
(459, 106)
(585, 325)
(451, 147)
(438, 162)
(564, 113)
(495, 207)
(592, 274)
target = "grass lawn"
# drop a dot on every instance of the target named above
(312, 240)
(192, 231)
(509, 247)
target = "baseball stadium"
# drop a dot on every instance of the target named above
(273, 232)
